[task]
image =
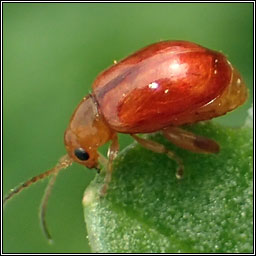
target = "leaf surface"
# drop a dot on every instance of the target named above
(147, 209)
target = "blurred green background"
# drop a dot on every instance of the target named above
(52, 54)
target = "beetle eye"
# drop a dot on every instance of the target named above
(81, 154)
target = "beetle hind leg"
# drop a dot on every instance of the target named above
(190, 141)
(159, 148)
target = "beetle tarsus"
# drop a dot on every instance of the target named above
(103, 190)
(180, 172)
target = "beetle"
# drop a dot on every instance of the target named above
(158, 88)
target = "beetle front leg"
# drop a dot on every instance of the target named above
(112, 153)
(190, 141)
(159, 148)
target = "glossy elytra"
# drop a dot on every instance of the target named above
(158, 88)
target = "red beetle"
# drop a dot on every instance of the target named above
(158, 88)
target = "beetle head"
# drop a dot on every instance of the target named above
(86, 132)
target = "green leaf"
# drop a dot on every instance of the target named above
(147, 209)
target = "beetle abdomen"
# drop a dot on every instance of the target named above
(150, 89)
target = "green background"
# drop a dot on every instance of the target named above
(52, 54)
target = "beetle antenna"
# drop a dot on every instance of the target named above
(43, 207)
(63, 163)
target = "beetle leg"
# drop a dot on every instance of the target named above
(190, 141)
(103, 162)
(159, 148)
(112, 153)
